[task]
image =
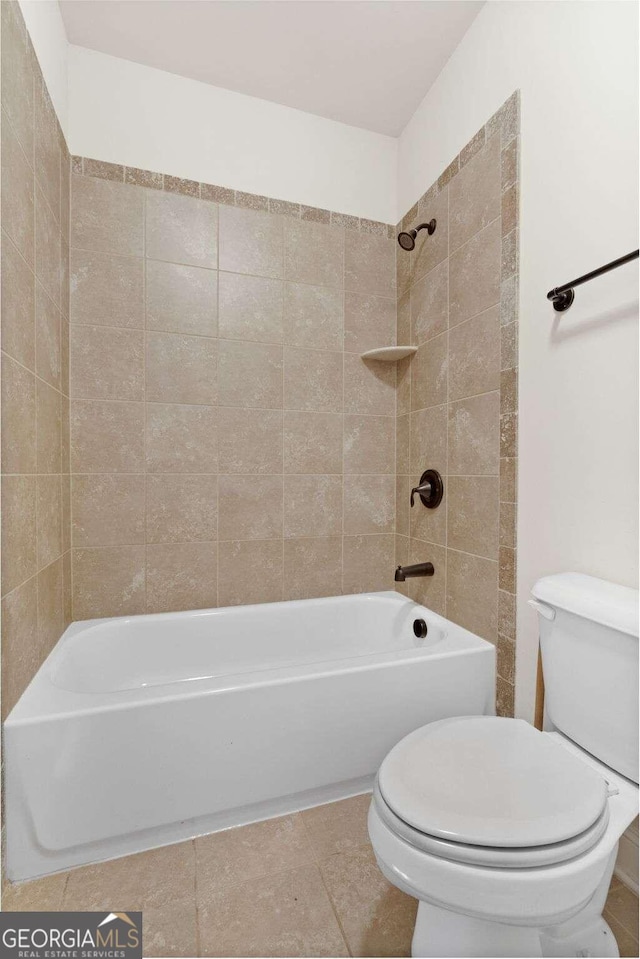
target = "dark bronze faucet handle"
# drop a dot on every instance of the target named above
(423, 488)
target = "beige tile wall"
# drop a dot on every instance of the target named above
(36, 580)
(228, 444)
(457, 396)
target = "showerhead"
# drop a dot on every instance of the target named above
(407, 240)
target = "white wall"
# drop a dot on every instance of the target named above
(575, 64)
(128, 113)
(46, 29)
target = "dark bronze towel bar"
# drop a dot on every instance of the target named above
(562, 296)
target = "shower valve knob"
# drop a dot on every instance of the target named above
(430, 489)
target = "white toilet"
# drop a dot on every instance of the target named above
(508, 836)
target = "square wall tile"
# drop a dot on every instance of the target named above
(181, 508)
(108, 509)
(106, 437)
(312, 380)
(429, 373)
(427, 525)
(17, 194)
(312, 442)
(312, 567)
(20, 656)
(369, 387)
(369, 322)
(403, 444)
(49, 519)
(429, 250)
(250, 507)
(370, 265)
(429, 591)
(251, 308)
(251, 242)
(108, 581)
(181, 369)
(19, 560)
(48, 250)
(312, 506)
(48, 339)
(181, 439)
(368, 563)
(472, 593)
(47, 147)
(250, 572)
(107, 217)
(182, 299)
(474, 275)
(369, 504)
(474, 435)
(50, 606)
(250, 375)
(106, 363)
(182, 576)
(473, 514)
(429, 300)
(48, 428)
(474, 194)
(181, 229)
(250, 440)
(313, 316)
(369, 444)
(428, 441)
(18, 410)
(106, 290)
(313, 253)
(18, 306)
(474, 355)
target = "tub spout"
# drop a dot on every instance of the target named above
(419, 569)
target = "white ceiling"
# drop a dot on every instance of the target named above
(368, 63)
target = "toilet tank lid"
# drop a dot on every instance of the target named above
(595, 599)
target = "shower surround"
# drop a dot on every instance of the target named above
(457, 396)
(36, 558)
(228, 444)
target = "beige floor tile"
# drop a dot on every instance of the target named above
(40, 895)
(170, 930)
(288, 914)
(147, 880)
(249, 852)
(376, 918)
(627, 945)
(338, 826)
(622, 904)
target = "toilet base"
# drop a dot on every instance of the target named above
(441, 933)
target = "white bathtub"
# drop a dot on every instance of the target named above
(147, 730)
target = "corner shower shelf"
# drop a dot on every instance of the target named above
(390, 354)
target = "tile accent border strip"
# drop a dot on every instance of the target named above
(505, 123)
(100, 169)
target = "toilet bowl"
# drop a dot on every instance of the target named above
(507, 835)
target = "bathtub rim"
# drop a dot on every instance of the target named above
(42, 700)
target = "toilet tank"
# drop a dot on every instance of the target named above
(589, 645)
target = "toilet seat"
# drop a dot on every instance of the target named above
(511, 857)
(491, 791)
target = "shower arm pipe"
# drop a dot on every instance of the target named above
(563, 296)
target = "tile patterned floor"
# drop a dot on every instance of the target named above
(301, 885)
